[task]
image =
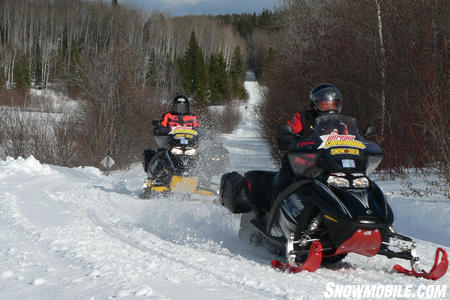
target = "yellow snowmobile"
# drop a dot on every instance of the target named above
(172, 169)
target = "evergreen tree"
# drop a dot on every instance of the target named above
(237, 74)
(22, 76)
(38, 67)
(150, 73)
(263, 62)
(75, 59)
(219, 83)
(114, 2)
(2, 77)
(194, 71)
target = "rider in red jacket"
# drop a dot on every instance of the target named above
(180, 114)
(325, 98)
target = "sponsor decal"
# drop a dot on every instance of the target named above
(181, 135)
(338, 140)
(338, 151)
(182, 130)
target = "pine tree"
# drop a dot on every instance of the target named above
(38, 67)
(150, 73)
(194, 71)
(2, 77)
(219, 83)
(22, 76)
(237, 74)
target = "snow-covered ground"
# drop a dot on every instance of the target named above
(78, 234)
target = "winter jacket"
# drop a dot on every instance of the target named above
(303, 123)
(172, 119)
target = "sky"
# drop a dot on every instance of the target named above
(200, 7)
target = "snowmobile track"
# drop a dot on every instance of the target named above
(132, 242)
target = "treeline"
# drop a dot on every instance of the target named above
(257, 30)
(246, 24)
(390, 60)
(210, 79)
(43, 41)
(123, 66)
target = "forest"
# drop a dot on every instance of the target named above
(122, 66)
(389, 59)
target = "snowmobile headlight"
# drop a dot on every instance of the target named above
(177, 151)
(338, 182)
(360, 182)
(191, 151)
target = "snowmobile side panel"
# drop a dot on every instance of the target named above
(159, 189)
(280, 198)
(179, 184)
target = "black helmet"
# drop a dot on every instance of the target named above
(180, 104)
(326, 97)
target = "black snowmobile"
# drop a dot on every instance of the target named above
(328, 208)
(172, 169)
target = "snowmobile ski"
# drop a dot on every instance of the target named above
(437, 271)
(311, 264)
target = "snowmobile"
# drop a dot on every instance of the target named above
(172, 169)
(328, 207)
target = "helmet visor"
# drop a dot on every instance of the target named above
(328, 104)
(180, 107)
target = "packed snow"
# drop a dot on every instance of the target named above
(75, 233)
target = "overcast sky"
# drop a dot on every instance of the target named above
(199, 7)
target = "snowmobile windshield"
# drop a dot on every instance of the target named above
(334, 146)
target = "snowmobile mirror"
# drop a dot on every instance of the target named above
(371, 131)
(155, 123)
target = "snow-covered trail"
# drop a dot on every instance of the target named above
(77, 234)
(247, 150)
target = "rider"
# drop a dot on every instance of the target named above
(179, 115)
(324, 98)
